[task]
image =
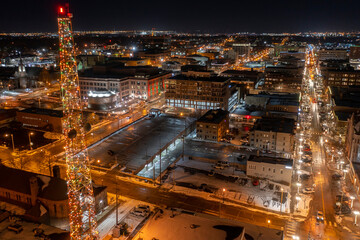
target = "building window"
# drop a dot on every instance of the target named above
(281, 171)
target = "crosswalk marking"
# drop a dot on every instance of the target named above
(290, 228)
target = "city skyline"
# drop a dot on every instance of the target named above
(281, 16)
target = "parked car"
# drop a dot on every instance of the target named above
(139, 212)
(345, 209)
(336, 176)
(144, 207)
(308, 190)
(305, 176)
(15, 227)
(217, 166)
(223, 163)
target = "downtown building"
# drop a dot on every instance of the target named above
(203, 92)
(283, 77)
(352, 141)
(273, 134)
(213, 125)
(342, 77)
(144, 83)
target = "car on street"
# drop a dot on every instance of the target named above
(320, 216)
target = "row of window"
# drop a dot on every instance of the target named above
(252, 166)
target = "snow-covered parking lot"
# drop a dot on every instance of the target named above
(200, 178)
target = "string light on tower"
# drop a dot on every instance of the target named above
(82, 217)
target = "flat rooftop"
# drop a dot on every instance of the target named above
(213, 116)
(271, 160)
(275, 124)
(43, 111)
(204, 79)
(134, 145)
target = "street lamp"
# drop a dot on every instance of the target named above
(352, 201)
(345, 171)
(281, 199)
(355, 220)
(295, 237)
(298, 185)
(297, 202)
(12, 140)
(30, 143)
(224, 190)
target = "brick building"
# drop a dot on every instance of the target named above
(213, 125)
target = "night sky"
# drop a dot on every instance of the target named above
(187, 16)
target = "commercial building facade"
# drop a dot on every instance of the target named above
(352, 141)
(45, 119)
(199, 93)
(342, 77)
(142, 86)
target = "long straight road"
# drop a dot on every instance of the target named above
(323, 199)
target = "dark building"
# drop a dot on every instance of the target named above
(213, 125)
(40, 118)
(342, 77)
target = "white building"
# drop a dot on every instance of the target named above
(273, 134)
(271, 168)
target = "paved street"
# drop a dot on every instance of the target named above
(324, 196)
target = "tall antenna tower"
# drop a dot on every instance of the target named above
(81, 197)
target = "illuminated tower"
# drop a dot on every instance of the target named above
(81, 198)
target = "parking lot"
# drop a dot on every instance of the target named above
(134, 145)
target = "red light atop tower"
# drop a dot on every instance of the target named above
(61, 10)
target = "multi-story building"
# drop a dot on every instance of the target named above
(271, 168)
(283, 77)
(213, 125)
(354, 54)
(336, 54)
(199, 93)
(352, 140)
(141, 85)
(39, 118)
(171, 66)
(342, 77)
(242, 50)
(273, 134)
